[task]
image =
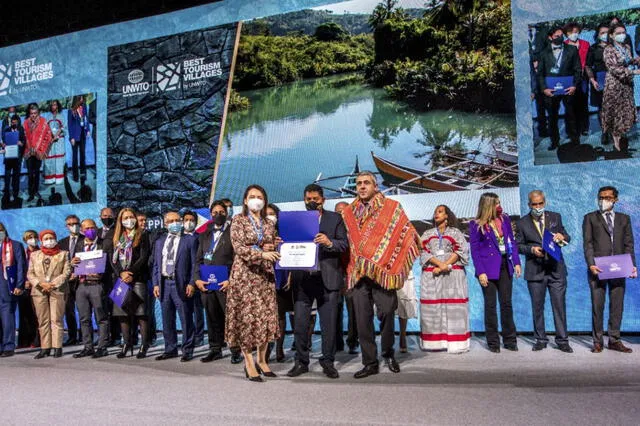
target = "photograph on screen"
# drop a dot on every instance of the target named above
(320, 94)
(584, 101)
(48, 151)
(166, 99)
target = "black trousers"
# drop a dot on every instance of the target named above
(581, 109)
(616, 303)
(552, 105)
(541, 112)
(557, 293)
(12, 177)
(366, 294)
(78, 153)
(502, 288)
(28, 322)
(70, 311)
(304, 293)
(90, 299)
(198, 318)
(215, 308)
(33, 168)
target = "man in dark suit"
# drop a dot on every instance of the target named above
(323, 286)
(12, 278)
(542, 271)
(214, 248)
(12, 166)
(559, 60)
(607, 233)
(174, 260)
(73, 244)
(105, 235)
(538, 42)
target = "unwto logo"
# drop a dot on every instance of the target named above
(168, 76)
(5, 79)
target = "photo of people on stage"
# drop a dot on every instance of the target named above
(49, 152)
(585, 100)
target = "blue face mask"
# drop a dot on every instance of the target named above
(175, 227)
(537, 212)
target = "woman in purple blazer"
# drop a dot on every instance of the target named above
(495, 256)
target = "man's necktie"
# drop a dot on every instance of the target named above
(72, 247)
(610, 227)
(170, 250)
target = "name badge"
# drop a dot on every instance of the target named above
(440, 252)
(208, 256)
(554, 70)
(169, 262)
(502, 249)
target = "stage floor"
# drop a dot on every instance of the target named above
(547, 387)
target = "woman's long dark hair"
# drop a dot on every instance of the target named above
(452, 220)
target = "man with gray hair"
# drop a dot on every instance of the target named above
(542, 271)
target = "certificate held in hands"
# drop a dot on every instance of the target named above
(551, 247)
(214, 275)
(619, 266)
(11, 145)
(91, 262)
(297, 230)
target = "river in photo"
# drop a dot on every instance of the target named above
(293, 133)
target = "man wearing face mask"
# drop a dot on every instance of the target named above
(215, 248)
(560, 60)
(12, 165)
(580, 101)
(12, 278)
(107, 217)
(323, 286)
(72, 244)
(542, 271)
(90, 297)
(190, 220)
(607, 233)
(175, 258)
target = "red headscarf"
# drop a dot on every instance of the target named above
(49, 251)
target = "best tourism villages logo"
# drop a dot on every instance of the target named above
(23, 75)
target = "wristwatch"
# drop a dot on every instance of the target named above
(449, 267)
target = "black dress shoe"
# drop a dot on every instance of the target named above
(7, 354)
(368, 370)
(265, 373)
(539, 346)
(566, 348)
(212, 356)
(252, 379)
(142, 353)
(43, 353)
(167, 356)
(186, 357)
(495, 349)
(330, 371)
(100, 353)
(126, 348)
(392, 364)
(512, 348)
(57, 352)
(298, 370)
(236, 358)
(83, 353)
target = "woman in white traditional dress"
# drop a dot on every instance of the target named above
(444, 296)
(55, 159)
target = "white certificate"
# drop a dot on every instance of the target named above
(88, 255)
(298, 255)
(11, 151)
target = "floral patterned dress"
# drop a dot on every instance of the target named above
(618, 104)
(252, 314)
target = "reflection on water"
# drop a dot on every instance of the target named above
(294, 133)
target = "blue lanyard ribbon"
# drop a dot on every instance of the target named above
(258, 230)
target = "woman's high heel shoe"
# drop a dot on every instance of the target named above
(126, 348)
(253, 379)
(142, 353)
(265, 373)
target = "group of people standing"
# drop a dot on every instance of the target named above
(368, 251)
(601, 75)
(42, 144)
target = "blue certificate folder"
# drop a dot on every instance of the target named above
(559, 84)
(214, 275)
(12, 277)
(550, 247)
(119, 293)
(11, 138)
(299, 227)
(601, 77)
(91, 266)
(618, 266)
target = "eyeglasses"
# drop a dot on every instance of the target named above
(73, 223)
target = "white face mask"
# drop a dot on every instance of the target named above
(189, 226)
(573, 37)
(74, 229)
(604, 38)
(49, 243)
(605, 205)
(273, 218)
(255, 204)
(32, 242)
(129, 223)
(620, 38)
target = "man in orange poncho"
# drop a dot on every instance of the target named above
(39, 139)
(383, 245)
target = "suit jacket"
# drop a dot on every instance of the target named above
(21, 137)
(64, 244)
(330, 259)
(186, 258)
(569, 65)
(139, 265)
(485, 250)
(58, 272)
(528, 237)
(20, 264)
(597, 240)
(222, 253)
(74, 123)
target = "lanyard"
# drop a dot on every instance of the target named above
(214, 240)
(559, 59)
(439, 238)
(624, 53)
(258, 230)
